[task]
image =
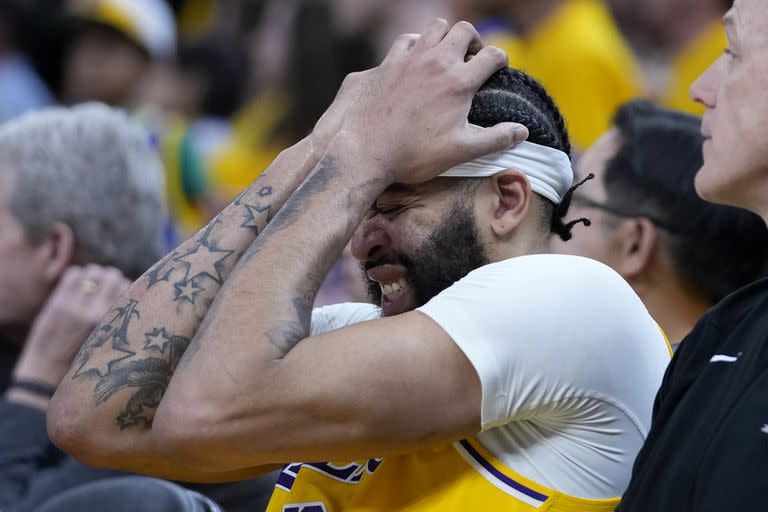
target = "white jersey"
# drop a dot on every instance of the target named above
(569, 361)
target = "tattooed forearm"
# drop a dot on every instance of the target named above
(256, 215)
(285, 334)
(316, 182)
(107, 344)
(149, 378)
(109, 356)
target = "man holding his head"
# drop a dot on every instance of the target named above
(679, 253)
(490, 376)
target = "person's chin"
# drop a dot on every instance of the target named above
(708, 182)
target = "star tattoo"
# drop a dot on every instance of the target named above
(256, 217)
(187, 290)
(204, 260)
(102, 357)
(160, 272)
(156, 339)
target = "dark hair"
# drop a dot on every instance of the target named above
(715, 249)
(512, 95)
(222, 62)
(323, 58)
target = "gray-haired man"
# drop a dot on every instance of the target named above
(81, 205)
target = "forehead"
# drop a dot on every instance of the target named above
(434, 189)
(747, 21)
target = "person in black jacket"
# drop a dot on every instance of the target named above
(708, 445)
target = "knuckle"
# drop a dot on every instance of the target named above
(403, 39)
(438, 63)
(351, 78)
(466, 27)
(71, 274)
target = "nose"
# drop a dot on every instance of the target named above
(704, 89)
(370, 239)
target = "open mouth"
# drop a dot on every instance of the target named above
(397, 295)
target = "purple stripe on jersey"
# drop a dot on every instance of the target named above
(285, 480)
(501, 476)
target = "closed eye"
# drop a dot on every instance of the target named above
(389, 210)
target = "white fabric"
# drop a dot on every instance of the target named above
(569, 361)
(548, 170)
(153, 21)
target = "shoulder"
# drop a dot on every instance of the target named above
(552, 294)
(336, 316)
(746, 307)
(568, 275)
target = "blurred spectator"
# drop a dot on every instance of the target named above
(80, 191)
(299, 62)
(187, 103)
(676, 40)
(58, 214)
(577, 52)
(111, 45)
(21, 88)
(680, 254)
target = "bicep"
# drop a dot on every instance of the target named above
(374, 388)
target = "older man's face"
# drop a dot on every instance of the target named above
(22, 283)
(735, 92)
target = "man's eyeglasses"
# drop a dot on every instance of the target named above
(618, 212)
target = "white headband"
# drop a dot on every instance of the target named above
(548, 169)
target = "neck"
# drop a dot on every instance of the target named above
(674, 310)
(525, 15)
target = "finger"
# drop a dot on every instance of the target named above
(401, 48)
(463, 39)
(433, 34)
(487, 61)
(113, 287)
(93, 281)
(480, 141)
(352, 83)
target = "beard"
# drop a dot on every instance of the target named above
(451, 252)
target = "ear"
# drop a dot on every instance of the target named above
(58, 251)
(511, 200)
(638, 243)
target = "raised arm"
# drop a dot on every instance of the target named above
(103, 411)
(254, 390)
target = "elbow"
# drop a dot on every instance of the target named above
(186, 435)
(68, 431)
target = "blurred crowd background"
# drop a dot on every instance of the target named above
(223, 85)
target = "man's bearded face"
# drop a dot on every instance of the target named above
(452, 251)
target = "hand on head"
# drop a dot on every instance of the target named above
(410, 113)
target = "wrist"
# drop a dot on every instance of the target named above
(349, 147)
(27, 398)
(36, 369)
